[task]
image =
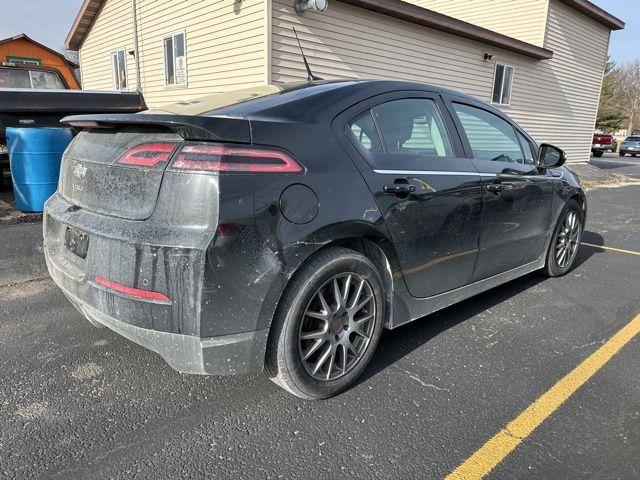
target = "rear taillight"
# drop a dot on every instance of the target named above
(223, 158)
(148, 155)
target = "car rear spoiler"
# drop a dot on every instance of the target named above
(189, 127)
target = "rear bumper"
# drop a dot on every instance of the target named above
(224, 355)
(170, 328)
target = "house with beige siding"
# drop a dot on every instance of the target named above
(540, 61)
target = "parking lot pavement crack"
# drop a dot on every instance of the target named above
(579, 347)
(424, 384)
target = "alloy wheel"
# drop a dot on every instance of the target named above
(568, 239)
(337, 326)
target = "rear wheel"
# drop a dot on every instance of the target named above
(327, 325)
(597, 153)
(565, 241)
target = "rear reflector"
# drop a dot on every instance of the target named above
(148, 154)
(220, 158)
(133, 292)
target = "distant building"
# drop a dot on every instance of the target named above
(25, 63)
(541, 61)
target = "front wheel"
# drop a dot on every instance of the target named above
(327, 324)
(565, 242)
(621, 153)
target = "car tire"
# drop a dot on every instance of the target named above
(621, 153)
(598, 153)
(566, 235)
(633, 154)
(310, 307)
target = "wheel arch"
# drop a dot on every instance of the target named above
(364, 239)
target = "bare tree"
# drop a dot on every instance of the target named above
(627, 93)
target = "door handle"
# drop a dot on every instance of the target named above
(399, 188)
(495, 187)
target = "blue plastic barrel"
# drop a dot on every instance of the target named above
(34, 157)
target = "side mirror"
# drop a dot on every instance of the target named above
(551, 156)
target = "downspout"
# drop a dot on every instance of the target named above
(135, 45)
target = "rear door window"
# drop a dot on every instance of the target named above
(412, 127)
(490, 136)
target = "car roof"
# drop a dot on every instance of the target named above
(296, 100)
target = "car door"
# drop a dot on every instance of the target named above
(517, 194)
(411, 157)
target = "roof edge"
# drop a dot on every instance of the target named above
(85, 15)
(598, 14)
(402, 10)
(428, 18)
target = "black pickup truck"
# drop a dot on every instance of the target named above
(45, 107)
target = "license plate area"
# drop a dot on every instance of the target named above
(77, 242)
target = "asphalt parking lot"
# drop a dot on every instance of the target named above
(80, 402)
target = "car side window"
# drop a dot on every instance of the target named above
(490, 137)
(413, 126)
(365, 132)
(529, 157)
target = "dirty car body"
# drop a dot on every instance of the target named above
(181, 229)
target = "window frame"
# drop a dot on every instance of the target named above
(116, 73)
(532, 144)
(173, 35)
(493, 83)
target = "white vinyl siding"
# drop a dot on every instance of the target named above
(226, 46)
(571, 82)
(521, 19)
(554, 100)
(111, 31)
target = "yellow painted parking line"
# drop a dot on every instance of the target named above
(619, 250)
(496, 449)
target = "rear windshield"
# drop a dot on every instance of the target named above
(198, 106)
(27, 78)
(632, 139)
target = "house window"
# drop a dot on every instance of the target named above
(175, 61)
(119, 69)
(502, 83)
(30, 61)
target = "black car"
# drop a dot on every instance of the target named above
(281, 229)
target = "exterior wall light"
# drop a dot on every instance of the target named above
(488, 56)
(310, 6)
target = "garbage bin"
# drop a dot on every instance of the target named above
(34, 157)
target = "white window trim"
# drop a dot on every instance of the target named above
(170, 86)
(116, 80)
(513, 76)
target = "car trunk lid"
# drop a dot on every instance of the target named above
(116, 164)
